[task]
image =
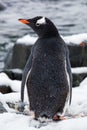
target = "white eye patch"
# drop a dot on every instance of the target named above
(41, 21)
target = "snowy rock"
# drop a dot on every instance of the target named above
(78, 78)
(19, 54)
(2, 109)
(18, 106)
(79, 74)
(5, 81)
(27, 39)
(76, 39)
(5, 89)
(14, 74)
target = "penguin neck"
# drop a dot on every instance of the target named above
(50, 34)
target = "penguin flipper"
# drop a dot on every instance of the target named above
(24, 75)
(68, 67)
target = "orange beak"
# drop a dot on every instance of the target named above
(24, 21)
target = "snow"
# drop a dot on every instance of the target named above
(79, 70)
(76, 39)
(84, 82)
(4, 80)
(16, 70)
(79, 100)
(11, 120)
(27, 39)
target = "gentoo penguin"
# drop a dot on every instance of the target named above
(47, 73)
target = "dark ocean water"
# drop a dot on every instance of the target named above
(70, 17)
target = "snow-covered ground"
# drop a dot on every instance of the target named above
(14, 121)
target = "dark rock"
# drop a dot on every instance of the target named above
(78, 55)
(5, 89)
(20, 54)
(11, 105)
(19, 106)
(2, 6)
(2, 109)
(78, 78)
(14, 74)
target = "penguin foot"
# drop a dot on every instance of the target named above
(58, 118)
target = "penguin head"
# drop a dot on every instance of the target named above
(42, 26)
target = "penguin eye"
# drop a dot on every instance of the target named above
(37, 24)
